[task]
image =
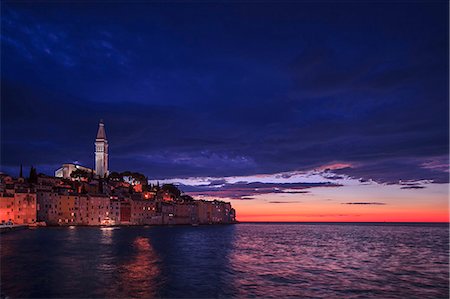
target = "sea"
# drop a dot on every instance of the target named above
(246, 260)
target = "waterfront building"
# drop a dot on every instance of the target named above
(76, 197)
(143, 211)
(98, 208)
(67, 207)
(18, 208)
(59, 209)
(186, 213)
(74, 209)
(7, 208)
(24, 207)
(204, 211)
(114, 209)
(101, 152)
(125, 212)
(17, 201)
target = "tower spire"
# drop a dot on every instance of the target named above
(101, 152)
(101, 134)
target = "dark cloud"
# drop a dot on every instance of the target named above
(413, 187)
(394, 170)
(247, 198)
(300, 192)
(246, 190)
(217, 182)
(185, 92)
(334, 176)
(284, 202)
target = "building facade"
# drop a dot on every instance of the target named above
(75, 196)
(17, 201)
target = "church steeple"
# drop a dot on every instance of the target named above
(101, 152)
(101, 134)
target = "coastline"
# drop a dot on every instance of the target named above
(12, 228)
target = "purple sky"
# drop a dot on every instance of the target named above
(214, 90)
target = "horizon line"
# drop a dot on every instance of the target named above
(433, 222)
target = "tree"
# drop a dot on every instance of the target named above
(100, 186)
(79, 173)
(33, 175)
(186, 197)
(172, 189)
(83, 189)
(115, 176)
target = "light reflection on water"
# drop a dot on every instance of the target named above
(107, 233)
(246, 260)
(138, 276)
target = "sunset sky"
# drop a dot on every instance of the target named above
(327, 111)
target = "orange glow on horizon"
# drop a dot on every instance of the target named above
(390, 217)
(356, 204)
(337, 212)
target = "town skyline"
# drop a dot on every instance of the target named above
(292, 112)
(287, 186)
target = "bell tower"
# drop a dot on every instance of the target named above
(101, 152)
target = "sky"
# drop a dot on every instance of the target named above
(293, 111)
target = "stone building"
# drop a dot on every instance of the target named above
(61, 209)
(24, 207)
(101, 152)
(17, 201)
(73, 209)
(66, 170)
(97, 210)
(143, 212)
(7, 207)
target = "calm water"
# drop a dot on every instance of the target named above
(245, 260)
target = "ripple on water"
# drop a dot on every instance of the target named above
(240, 261)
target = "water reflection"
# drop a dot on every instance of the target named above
(248, 260)
(138, 277)
(195, 261)
(107, 234)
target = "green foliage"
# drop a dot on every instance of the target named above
(100, 186)
(186, 197)
(33, 175)
(172, 189)
(116, 176)
(83, 189)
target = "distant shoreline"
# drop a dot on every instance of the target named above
(6, 228)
